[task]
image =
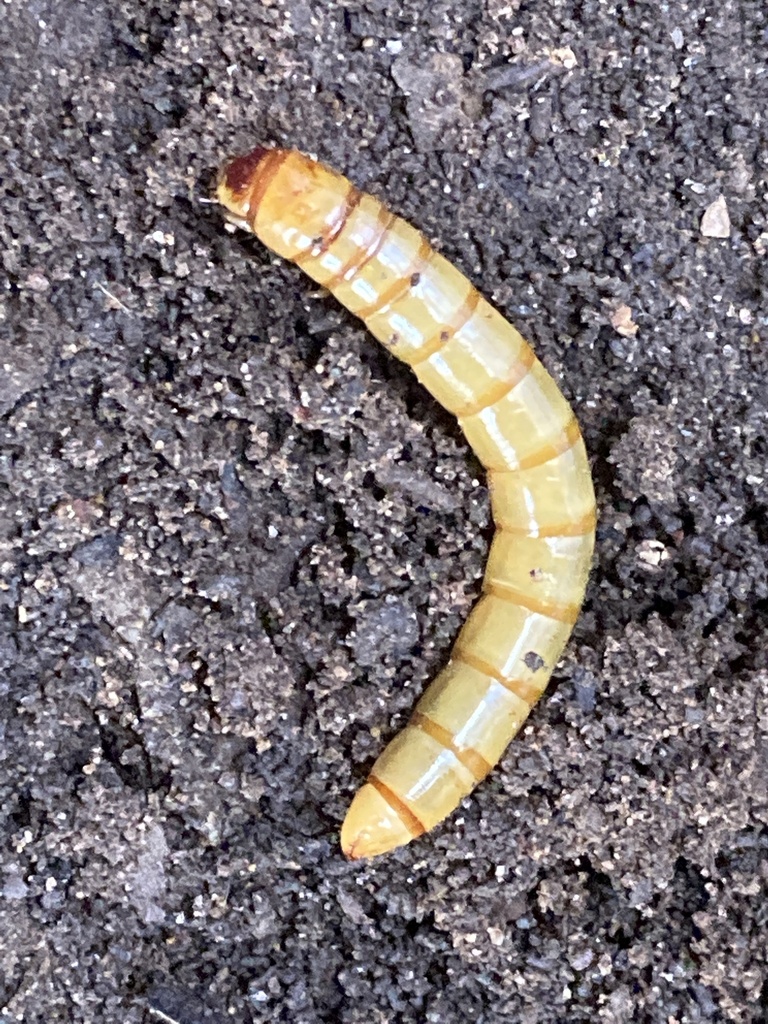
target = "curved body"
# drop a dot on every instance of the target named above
(523, 432)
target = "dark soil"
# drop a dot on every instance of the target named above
(237, 538)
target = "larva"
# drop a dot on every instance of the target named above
(523, 432)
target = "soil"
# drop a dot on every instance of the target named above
(237, 538)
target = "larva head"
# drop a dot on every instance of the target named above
(237, 184)
(289, 200)
(371, 826)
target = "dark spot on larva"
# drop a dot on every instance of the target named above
(534, 661)
(317, 240)
(415, 278)
(536, 575)
(444, 335)
(393, 340)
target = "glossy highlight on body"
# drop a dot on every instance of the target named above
(520, 427)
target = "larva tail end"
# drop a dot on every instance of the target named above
(371, 826)
(238, 180)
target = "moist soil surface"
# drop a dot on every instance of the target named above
(237, 538)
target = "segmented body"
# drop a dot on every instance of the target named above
(522, 430)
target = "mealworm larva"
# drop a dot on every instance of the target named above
(523, 432)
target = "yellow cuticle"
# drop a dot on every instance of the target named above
(521, 429)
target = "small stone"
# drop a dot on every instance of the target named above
(581, 961)
(716, 223)
(15, 888)
(564, 55)
(622, 322)
(36, 281)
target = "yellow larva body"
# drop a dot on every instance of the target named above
(520, 427)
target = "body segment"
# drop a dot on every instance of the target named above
(522, 430)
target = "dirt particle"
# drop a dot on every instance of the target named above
(534, 661)
(716, 223)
